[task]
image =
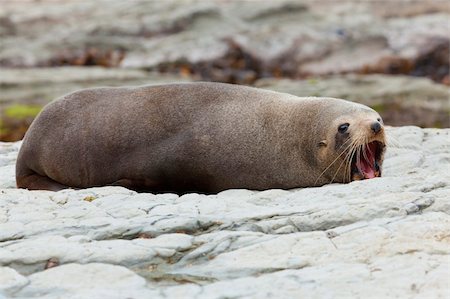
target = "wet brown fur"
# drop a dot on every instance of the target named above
(187, 137)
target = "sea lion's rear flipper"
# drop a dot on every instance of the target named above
(35, 181)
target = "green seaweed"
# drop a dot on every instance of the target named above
(20, 111)
(379, 107)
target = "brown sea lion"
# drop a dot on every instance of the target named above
(203, 137)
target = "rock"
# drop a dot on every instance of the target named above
(386, 237)
(10, 280)
(91, 280)
(231, 41)
(338, 280)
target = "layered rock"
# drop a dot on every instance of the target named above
(385, 237)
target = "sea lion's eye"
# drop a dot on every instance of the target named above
(343, 128)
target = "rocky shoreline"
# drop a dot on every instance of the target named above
(391, 56)
(380, 238)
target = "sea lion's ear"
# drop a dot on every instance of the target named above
(322, 143)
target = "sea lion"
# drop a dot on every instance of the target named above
(203, 137)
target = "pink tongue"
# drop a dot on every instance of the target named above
(367, 167)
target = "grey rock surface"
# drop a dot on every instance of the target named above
(381, 238)
(306, 37)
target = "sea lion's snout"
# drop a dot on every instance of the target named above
(376, 127)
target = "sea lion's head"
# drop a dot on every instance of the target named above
(353, 145)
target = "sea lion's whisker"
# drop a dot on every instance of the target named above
(349, 159)
(352, 154)
(343, 151)
(358, 155)
(364, 149)
(352, 145)
(343, 161)
(344, 144)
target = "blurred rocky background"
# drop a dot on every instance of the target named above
(381, 238)
(390, 55)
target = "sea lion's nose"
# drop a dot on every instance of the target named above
(376, 127)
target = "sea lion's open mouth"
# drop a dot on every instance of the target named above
(366, 161)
